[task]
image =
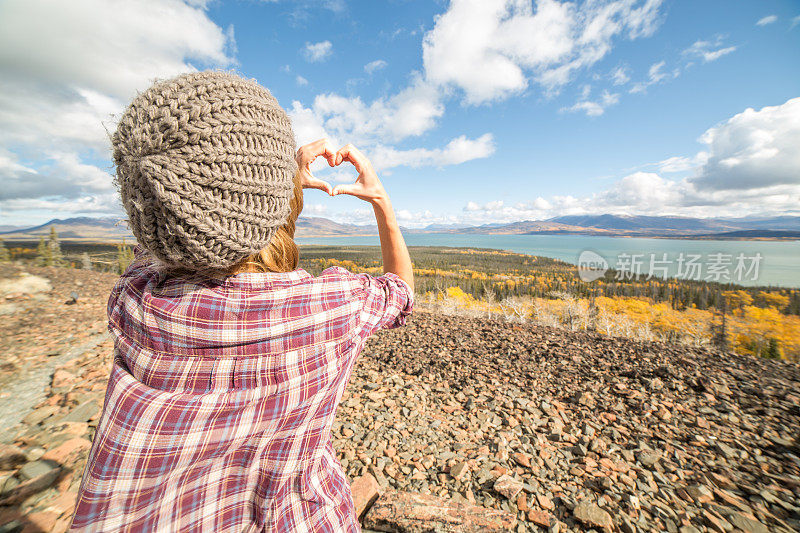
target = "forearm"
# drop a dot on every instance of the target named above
(393, 246)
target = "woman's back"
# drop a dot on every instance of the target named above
(224, 392)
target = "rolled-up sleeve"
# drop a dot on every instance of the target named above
(386, 300)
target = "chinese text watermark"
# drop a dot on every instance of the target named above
(714, 267)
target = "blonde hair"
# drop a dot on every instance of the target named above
(281, 254)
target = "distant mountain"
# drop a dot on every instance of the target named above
(784, 223)
(115, 229)
(641, 226)
(79, 228)
(782, 227)
(444, 227)
(753, 234)
(679, 226)
(9, 228)
(323, 227)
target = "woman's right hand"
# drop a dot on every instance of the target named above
(306, 155)
(367, 185)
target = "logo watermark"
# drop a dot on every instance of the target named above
(714, 267)
(591, 266)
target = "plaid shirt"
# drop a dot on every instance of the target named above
(222, 393)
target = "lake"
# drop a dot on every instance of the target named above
(750, 263)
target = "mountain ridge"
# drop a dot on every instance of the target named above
(778, 227)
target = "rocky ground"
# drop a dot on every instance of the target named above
(567, 431)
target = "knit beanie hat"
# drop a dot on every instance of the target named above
(205, 166)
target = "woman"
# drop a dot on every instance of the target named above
(229, 360)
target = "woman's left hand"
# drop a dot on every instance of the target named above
(306, 155)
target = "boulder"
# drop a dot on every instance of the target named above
(365, 491)
(397, 511)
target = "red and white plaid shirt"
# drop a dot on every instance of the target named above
(219, 406)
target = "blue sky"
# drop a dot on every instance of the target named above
(473, 112)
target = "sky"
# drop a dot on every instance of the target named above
(472, 111)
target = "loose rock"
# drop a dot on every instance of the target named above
(507, 486)
(592, 515)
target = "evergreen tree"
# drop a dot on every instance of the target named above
(773, 350)
(43, 254)
(701, 300)
(124, 256)
(56, 257)
(719, 331)
(4, 255)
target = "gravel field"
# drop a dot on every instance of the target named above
(568, 431)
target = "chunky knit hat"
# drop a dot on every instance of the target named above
(205, 166)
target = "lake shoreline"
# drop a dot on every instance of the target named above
(778, 259)
(711, 237)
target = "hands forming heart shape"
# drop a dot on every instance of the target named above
(367, 185)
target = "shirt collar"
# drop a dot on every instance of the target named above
(260, 280)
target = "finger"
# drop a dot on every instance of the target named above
(349, 188)
(309, 152)
(326, 150)
(316, 183)
(352, 154)
(329, 153)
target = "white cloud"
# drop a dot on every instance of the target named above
(69, 68)
(676, 164)
(716, 54)
(594, 108)
(95, 204)
(301, 81)
(490, 49)
(457, 151)
(642, 191)
(498, 211)
(753, 149)
(372, 66)
(410, 112)
(315, 52)
(708, 50)
(769, 19)
(488, 206)
(655, 74)
(795, 21)
(620, 75)
(354, 216)
(129, 43)
(341, 174)
(314, 210)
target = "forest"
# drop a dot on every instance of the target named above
(762, 321)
